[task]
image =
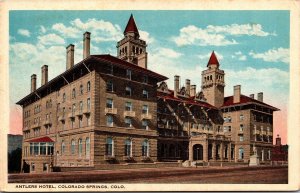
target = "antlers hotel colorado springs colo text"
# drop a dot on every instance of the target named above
(108, 110)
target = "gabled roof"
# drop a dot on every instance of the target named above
(128, 65)
(228, 101)
(213, 60)
(131, 26)
(42, 139)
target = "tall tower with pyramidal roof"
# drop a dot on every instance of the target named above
(131, 48)
(213, 83)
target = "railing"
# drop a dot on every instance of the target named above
(87, 111)
(35, 125)
(112, 111)
(270, 133)
(129, 114)
(263, 133)
(47, 122)
(256, 132)
(78, 113)
(146, 116)
(71, 115)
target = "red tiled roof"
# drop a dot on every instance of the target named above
(187, 101)
(42, 139)
(228, 101)
(128, 65)
(213, 60)
(131, 26)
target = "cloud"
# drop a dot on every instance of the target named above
(191, 35)
(24, 32)
(273, 55)
(207, 56)
(70, 32)
(146, 37)
(42, 29)
(217, 35)
(235, 29)
(239, 56)
(51, 39)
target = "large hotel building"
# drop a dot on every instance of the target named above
(108, 110)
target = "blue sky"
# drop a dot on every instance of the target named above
(252, 46)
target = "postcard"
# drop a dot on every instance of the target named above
(150, 96)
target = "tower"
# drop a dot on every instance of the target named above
(213, 82)
(131, 48)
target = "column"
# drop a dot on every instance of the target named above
(221, 151)
(229, 152)
(190, 151)
(213, 151)
(205, 151)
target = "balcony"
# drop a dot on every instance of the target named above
(47, 122)
(220, 133)
(109, 157)
(25, 128)
(79, 113)
(145, 158)
(35, 125)
(61, 118)
(146, 116)
(263, 133)
(86, 111)
(71, 115)
(112, 111)
(127, 158)
(256, 132)
(129, 113)
(240, 132)
(270, 133)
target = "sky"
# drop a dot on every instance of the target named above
(251, 46)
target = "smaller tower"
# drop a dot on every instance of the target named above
(213, 82)
(131, 48)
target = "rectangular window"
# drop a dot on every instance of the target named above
(80, 122)
(128, 122)
(109, 120)
(241, 138)
(145, 124)
(145, 109)
(128, 74)
(80, 106)
(145, 94)
(109, 103)
(109, 86)
(128, 91)
(128, 106)
(241, 127)
(145, 79)
(241, 117)
(73, 109)
(88, 104)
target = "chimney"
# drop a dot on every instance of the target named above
(44, 74)
(86, 44)
(176, 85)
(142, 60)
(33, 82)
(188, 86)
(260, 96)
(193, 91)
(70, 56)
(236, 93)
(251, 96)
(278, 140)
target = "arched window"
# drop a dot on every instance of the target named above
(73, 146)
(87, 146)
(133, 49)
(210, 77)
(145, 148)
(241, 153)
(128, 151)
(63, 147)
(81, 89)
(79, 147)
(88, 86)
(109, 149)
(73, 93)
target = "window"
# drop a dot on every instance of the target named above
(109, 120)
(109, 103)
(63, 111)
(73, 109)
(79, 147)
(63, 147)
(229, 119)
(73, 93)
(80, 121)
(241, 127)
(64, 97)
(241, 153)
(128, 106)
(87, 146)
(128, 122)
(145, 124)
(80, 106)
(145, 94)
(145, 79)
(145, 109)
(109, 150)
(110, 69)
(88, 86)
(241, 117)
(42, 148)
(81, 89)
(73, 146)
(109, 86)
(88, 104)
(88, 120)
(145, 148)
(241, 138)
(32, 167)
(128, 91)
(128, 147)
(45, 166)
(128, 74)
(229, 128)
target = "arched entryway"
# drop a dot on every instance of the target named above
(197, 152)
